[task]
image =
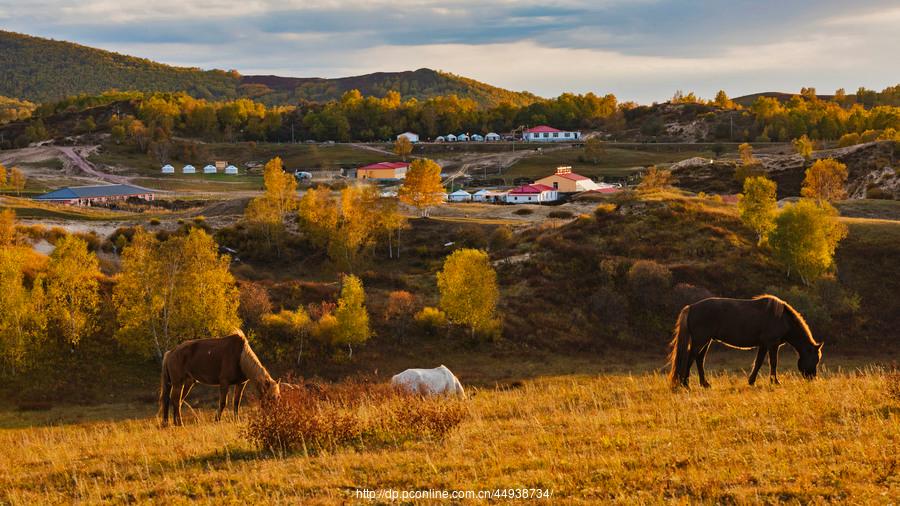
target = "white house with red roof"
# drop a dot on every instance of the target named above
(532, 194)
(544, 133)
(566, 181)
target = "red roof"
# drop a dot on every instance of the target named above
(605, 189)
(573, 176)
(541, 129)
(385, 165)
(530, 189)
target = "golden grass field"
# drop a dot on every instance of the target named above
(612, 438)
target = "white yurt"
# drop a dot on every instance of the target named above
(492, 137)
(462, 138)
(440, 138)
(480, 195)
(232, 170)
(451, 138)
(209, 169)
(189, 169)
(477, 137)
(168, 169)
(460, 196)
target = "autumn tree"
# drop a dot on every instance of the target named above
(422, 187)
(267, 212)
(825, 181)
(318, 215)
(655, 179)
(803, 146)
(403, 147)
(805, 237)
(7, 228)
(17, 180)
(757, 206)
(468, 289)
(594, 150)
(22, 318)
(351, 314)
(390, 222)
(286, 332)
(3, 176)
(72, 289)
(723, 101)
(749, 166)
(358, 225)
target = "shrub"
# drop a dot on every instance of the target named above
(604, 209)
(501, 238)
(431, 320)
(154, 222)
(648, 280)
(349, 414)
(560, 215)
(400, 306)
(523, 212)
(655, 179)
(254, 303)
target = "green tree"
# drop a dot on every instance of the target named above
(403, 147)
(825, 181)
(758, 206)
(803, 146)
(468, 288)
(805, 238)
(422, 187)
(72, 289)
(594, 150)
(351, 314)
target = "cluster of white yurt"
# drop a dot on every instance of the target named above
(209, 169)
(490, 137)
(232, 170)
(189, 169)
(168, 169)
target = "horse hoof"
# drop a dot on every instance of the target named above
(704, 385)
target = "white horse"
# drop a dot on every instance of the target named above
(435, 381)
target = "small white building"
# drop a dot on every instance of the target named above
(462, 138)
(440, 138)
(232, 170)
(480, 196)
(189, 169)
(168, 169)
(412, 137)
(492, 137)
(544, 133)
(451, 138)
(460, 196)
(477, 137)
(532, 194)
(209, 169)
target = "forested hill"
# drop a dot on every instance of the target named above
(42, 70)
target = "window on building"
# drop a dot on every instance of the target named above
(555, 134)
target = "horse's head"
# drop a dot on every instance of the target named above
(809, 360)
(269, 390)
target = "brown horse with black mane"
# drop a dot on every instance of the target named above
(220, 361)
(765, 322)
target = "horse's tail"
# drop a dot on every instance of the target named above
(165, 384)
(681, 341)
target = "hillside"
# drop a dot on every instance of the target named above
(41, 70)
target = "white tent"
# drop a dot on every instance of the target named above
(209, 169)
(451, 138)
(413, 137)
(477, 137)
(168, 169)
(189, 169)
(480, 195)
(460, 196)
(231, 169)
(440, 138)
(462, 138)
(492, 137)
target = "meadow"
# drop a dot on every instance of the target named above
(609, 438)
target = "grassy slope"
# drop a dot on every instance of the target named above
(616, 163)
(610, 438)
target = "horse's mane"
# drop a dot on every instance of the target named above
(779, 306)
(250, 364)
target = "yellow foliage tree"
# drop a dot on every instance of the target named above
(403, 147)
(655, 179)
(805, 237)
(758, 206)
(22, 322)
(468, 288)
(72, 289)
(422, 187)
(351, 315)
(3, 175)
(7, 228)
(266, 213)
(825, 181)
(17, 180)
(803, 146)
(318, 215)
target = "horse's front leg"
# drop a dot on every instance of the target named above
(773, 364)
(760, 356)
(175, 400)
(223, 397)
(701, 358)
(238, 393)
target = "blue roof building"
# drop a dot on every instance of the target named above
(89, 195)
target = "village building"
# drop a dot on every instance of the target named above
(440, 138)
(383, 171)
(477, 138)
(232, 170)
(532, 194)
(451, 138)
(210, 169)
(544, 133)
(566, 181)
(460, 196)
(462, 138)
(188, 169)
(492, 137)
(93, 195)
(168, 169)
(480, 196)
(412, 137)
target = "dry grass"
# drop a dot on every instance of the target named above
(609, 438)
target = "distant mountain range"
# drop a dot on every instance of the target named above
(41, 70)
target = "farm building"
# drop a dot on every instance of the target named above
(168, 169)
(477, 137)
(188, 169)
(531, 194)
(91, 195)
(492, 137)
(412, 137)
(383, 170)
(210, 169)
(460, 196)
(566, 181)
(232, 170)
(440, 138)
(451, 138)
(544, 133)
(462, 138)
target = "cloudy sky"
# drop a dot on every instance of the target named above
(640, 50)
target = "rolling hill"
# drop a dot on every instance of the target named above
(42, 70)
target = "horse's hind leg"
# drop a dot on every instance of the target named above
(760, 356)
(238, 393)
(773, 364)
(223, 397)
(175, 400)
(701, 357)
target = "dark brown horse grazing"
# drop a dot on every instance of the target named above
(765, 322)
(222, 362)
